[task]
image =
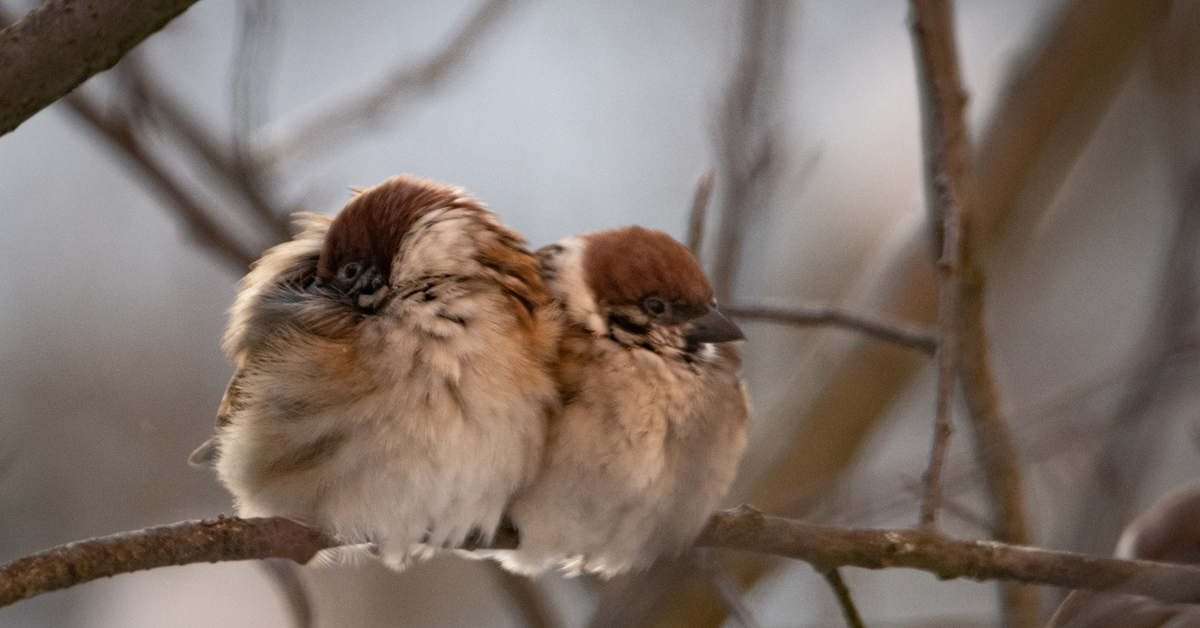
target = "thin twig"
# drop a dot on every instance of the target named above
(815, 316)
(849, 610)
(118, 130)
(527, 596)
(995, 448)
(699, 213)
(942, 101)
(725, 587)
(824, 547)
(362, 112)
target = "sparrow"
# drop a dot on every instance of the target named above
(653, 416)
(394, 373)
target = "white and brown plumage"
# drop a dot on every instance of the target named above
(393, 374)
(654, 412)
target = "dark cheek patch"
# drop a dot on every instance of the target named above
(627, 324)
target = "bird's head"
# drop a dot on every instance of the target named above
(362, 251)
(638, 287)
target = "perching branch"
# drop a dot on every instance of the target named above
(60, 44)
(226, 538)
(809, 317)
(746, 529)
(942, 102)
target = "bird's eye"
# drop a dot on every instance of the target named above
(350, 271)
(654, 306)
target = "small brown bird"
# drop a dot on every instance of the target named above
(654, 411)
(394, 373)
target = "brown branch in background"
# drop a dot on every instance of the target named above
(845, 601)
(746, 529)
(820, 316)
(699, 213)
(341, 120)
(60, 44)
(118, 130)
(526, 596)
(1134, 426)
(995, 449)
(1052, 103)
(942, 103)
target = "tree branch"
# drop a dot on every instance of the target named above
(849, 610)
(995, 448)
(226, 538)
(746, 529)
(809, 317)
(942, 102)
(62, 43)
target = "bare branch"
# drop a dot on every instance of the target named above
(699, 213)
(366, 110)
(204, 228)
(226, 538)
(829, 548)
(826, 548)
(809, 317)
(942, 102)
(60, 44)
(849, 610)
(1051, 105)
(995, 448)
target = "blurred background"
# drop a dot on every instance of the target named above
(131, 209)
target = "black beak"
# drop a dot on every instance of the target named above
(713, 327)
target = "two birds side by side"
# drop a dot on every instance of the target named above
(409, 376)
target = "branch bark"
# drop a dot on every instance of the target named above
(942, 104)
(62, 43)
(809, 317)
(746, 529)
(995, 448)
